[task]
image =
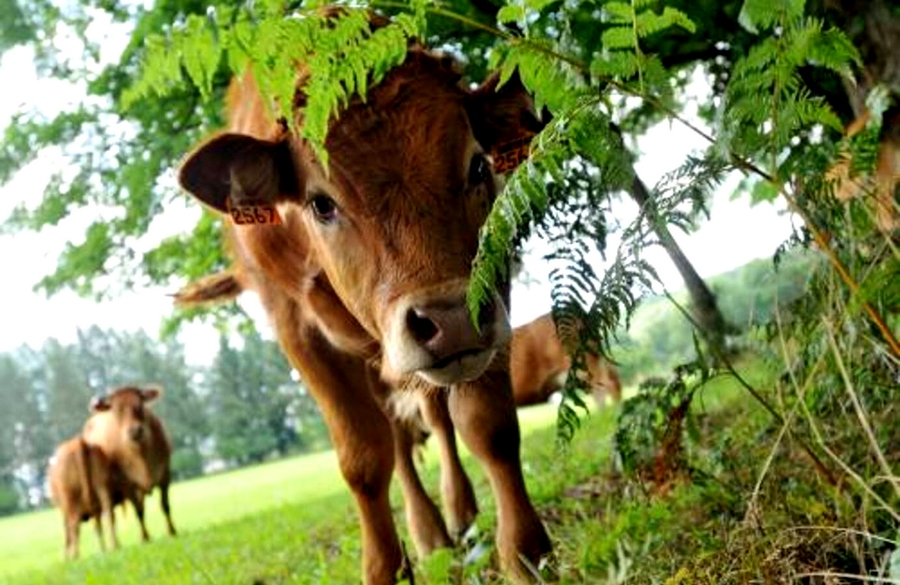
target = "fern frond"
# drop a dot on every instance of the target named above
(767, 102)
(340, 55)
(622, 57)
(529, 193)
(759, 15)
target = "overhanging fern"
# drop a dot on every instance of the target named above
(341, 57)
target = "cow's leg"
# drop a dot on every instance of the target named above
(362, 437)
(422, 516)
(137, 500)
(98, 528)
(164, 484)
(460, 506)
(612, 382)
(485, 415)
(108, 510)
(71, 523)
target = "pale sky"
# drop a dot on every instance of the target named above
(737, 234)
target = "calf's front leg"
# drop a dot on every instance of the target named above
(426, 526)
(484, 413)
(460, 506)
(362, 437)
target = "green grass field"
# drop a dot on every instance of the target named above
(293, 521)
(290, 521)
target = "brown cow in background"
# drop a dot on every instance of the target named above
(135, 441)
(364, 275)
(539, 362)
(84, 485)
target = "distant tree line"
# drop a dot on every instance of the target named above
(660, 337)
(241, 409)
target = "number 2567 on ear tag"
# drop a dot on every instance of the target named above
(254, 214)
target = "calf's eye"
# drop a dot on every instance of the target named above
(479, 170)
(324, 208)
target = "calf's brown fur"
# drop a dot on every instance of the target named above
(364, 280)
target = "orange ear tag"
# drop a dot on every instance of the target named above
(509, 155)
(254, 213)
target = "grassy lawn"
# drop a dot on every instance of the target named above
(197, 504)
(286, 521)
(293, 522)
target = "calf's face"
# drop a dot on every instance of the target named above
(127, 409)
(392, 227)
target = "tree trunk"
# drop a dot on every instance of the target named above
(703, 306)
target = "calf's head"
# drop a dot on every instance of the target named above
(127, 408)
(391, 229)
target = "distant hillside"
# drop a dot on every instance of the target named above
(660, 337)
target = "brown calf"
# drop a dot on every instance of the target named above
(84, 484)
(364, 279)
(539, 362)
(135, 441)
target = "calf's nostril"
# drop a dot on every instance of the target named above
(421, 327)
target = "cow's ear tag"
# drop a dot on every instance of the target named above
(251, 212)
(509, 155)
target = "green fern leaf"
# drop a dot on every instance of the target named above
(617, 37)
(757, 15)
(619, 12)
(511, 13)
(200, 53)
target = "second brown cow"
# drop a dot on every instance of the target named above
(134, 440)
(539, 362)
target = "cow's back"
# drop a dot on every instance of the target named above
(537, 358)
(77, 471)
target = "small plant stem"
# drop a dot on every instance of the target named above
(853, 531)
(858, 409)
(850, 576)
(768, 463)
(847, 469)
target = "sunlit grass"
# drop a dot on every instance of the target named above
(293, 521)
(233, 501)
(34, 540)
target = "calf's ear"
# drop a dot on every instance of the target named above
(99, 404)
(502, 117)
(235, 169)
(150, 393)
